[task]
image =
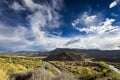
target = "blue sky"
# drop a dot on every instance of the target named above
(48, 24)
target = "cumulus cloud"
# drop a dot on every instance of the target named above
(101, 28)
(16, 6)
(31, 5)
(85, 20)
(113, 4)
(104, 42)
(12, 38)
(103, 35)
(90, 19)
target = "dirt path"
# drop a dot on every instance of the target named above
(47, 63)
(115, 69)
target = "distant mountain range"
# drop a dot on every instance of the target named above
(88, 51)
(102, 55)
(98, 55)
(68, 50)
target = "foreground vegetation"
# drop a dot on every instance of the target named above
(87, 70)
(33, 68)
(117, 65)
(27, 68)
(10, 65)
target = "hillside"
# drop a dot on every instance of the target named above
(65, 56)
(62, 65)
(97, 55)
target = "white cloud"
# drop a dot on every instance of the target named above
(31, 5)
(113, 4)
(56, 2)
(101, 28)
(103, 35)
(16, 6)
(43, 18)
(90, 19)
(85, 19)
(13, 38)
(75, 22)
(99, 34)
(104, 42)
(39, 23)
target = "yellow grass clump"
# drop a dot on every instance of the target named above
(3, 75)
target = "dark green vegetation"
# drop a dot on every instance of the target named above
(65, 56)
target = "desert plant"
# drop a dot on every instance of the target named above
(3, 75)
(103, 65)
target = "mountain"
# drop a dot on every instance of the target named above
(95, 54)
(87, 51)
(65, 56)
(33, 53)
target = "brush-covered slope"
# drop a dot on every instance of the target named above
(65, 56)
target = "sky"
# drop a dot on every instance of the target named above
(38, 25)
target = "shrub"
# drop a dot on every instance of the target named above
(87, 74)
(50, 68)
(104, 71)
(114, 76)
(20, 67)
(3, 75)
(63, 76)
(103, 65)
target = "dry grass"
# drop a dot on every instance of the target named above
(40, 75)
(3, 75)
